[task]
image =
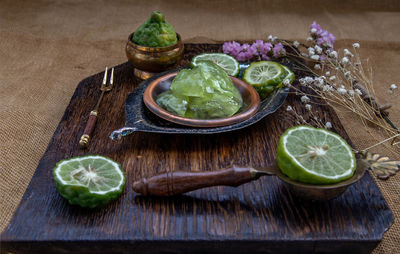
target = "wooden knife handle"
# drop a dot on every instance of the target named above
(87, 133)
(174, 183)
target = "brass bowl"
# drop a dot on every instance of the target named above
(151, 60)
(162, 84)
(322, 192)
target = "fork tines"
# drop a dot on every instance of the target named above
(111, 78)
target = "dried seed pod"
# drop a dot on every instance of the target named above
(383, 167)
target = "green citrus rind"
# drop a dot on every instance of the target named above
(226, 62)
(294, 169)
(78, 194)
(264, 85)
(290, 76)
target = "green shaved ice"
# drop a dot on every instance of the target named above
(205, 92)
(155, 32)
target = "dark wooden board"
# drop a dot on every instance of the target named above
(258, 217)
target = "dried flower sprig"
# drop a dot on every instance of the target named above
(341, 80)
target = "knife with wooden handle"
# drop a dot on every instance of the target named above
(178, 182)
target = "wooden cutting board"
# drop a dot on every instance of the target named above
(258, 217)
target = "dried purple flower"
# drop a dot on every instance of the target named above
(265, 48)
(315, 26)
(326, 39)
(231, 48)
(265, 57)
(323, 37)
(258, 44)
(241, 56)
(247, 52)
(278, 50)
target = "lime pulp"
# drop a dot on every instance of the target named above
(264, 73)
(226, 62)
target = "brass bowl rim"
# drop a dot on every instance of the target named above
(154, 49)
(361, 168)
(245, 114)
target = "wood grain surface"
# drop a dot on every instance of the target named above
(261, 216)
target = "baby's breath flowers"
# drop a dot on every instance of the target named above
(328, 125)
(392, 88)
(347, 84)
(311, 119)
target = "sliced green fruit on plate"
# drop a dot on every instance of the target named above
(315, 156)
(226, 62)
(89, 181)
(264, 76)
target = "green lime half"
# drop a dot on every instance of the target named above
(226, 62)
(264, 72)
(89, 181)
(264, 76)
(317, 156)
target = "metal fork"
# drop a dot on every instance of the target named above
(85, 138)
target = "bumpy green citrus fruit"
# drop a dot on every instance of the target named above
(264, 76)
(89, 181)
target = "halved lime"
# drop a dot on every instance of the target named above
(264, 76)
(89, 181)
(317, 156)
(264, 72)
(226, 62)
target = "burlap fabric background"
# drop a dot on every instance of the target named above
(47, 47)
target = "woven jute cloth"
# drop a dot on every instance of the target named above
(47, 47)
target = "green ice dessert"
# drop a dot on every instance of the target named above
(204, 92)
(155, 32)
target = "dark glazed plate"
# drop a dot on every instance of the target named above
(139, 118)
(251, 102)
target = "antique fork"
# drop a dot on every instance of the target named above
(85, 138)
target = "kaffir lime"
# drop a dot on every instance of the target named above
(316, 156)
(226, 62)
(89, 181)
